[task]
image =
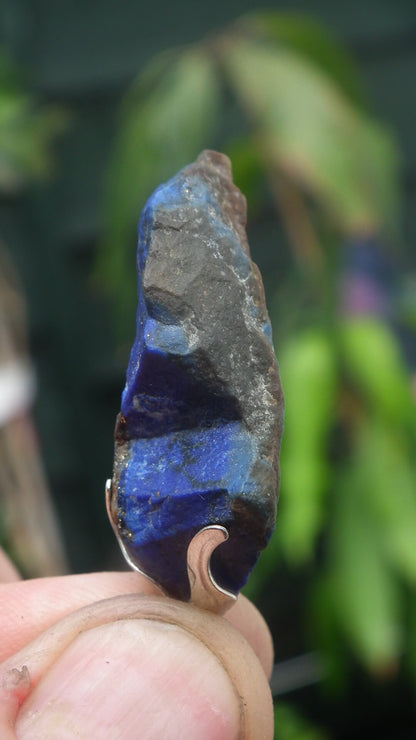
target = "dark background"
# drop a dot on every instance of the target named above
(83, 55)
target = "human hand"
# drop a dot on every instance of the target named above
(104, 655)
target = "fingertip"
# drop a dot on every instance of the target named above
(245, 616)
(199, 657)
(121, 676)
(8, 571)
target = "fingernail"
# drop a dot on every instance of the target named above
(133, 678)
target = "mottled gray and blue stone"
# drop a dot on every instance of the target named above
(197, 440)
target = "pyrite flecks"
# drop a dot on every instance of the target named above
(197, 440)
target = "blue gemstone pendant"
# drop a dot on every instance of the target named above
(196, 468)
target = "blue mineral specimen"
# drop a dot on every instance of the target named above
(197, 440)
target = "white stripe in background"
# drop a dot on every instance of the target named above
(17, 390)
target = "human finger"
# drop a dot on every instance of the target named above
(30, 607)
(126, 663)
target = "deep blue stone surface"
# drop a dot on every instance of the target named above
(198, 435)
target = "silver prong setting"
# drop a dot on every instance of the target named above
(205, 592)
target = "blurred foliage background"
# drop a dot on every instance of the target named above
(99, 103)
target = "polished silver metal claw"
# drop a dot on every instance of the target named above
(205, 592)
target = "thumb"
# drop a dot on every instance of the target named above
(137, 666)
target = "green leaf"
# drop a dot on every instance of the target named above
(314, 42)
(374, 362)
(168, 120)
(365, 592)
(302, 507)
(309, 376)
(323, 628)
(309, 371)
(26, 133)
(248, 173)
(386, 475)
(291, 725)
(306, 127)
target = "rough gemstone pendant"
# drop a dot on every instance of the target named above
(197, 439)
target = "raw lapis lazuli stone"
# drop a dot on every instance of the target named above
(197, 440)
